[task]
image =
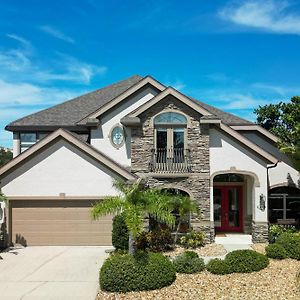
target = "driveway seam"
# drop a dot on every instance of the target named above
(36, 287)
(43, 264)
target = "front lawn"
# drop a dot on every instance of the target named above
(277, 281)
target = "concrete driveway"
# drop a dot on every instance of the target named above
(56, 272)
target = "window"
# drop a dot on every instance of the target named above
(27, 140)
(117, 136)
(170, 137)
(229, 178)
(284, 205)
(170, 118)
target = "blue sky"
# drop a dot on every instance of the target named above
(235, 55)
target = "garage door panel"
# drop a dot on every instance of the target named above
(45, 222)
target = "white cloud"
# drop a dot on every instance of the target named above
(57, 34)
(268, 15)
(20, 64)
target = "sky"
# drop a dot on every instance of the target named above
(235, 55)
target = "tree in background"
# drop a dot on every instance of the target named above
(5, 156)
(283, 120)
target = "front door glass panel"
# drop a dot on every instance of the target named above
(228, 208)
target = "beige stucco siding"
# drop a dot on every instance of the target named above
(60, 168)
(227, 155)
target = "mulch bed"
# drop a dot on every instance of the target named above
(277, 281)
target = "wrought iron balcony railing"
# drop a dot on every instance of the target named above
(165, 160)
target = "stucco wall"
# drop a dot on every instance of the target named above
(227, 155)
(100, 136)
(283, 173)
(61, 168)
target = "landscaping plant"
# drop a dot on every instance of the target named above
(189, 263)
(276, 230)
(291, 243)
(192, 239)
(155, 241)
(120, 234)
(238, 261)
(276, 251)
(134, 202)
(138, 272)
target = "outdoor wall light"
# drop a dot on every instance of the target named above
(262, 202)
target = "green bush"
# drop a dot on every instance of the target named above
(139, 272)
(276, 230)
(156, 241)
(291, 243)
(189, 263)
(218, 266)
(246, 261)
(191, 254)
(192, 239)
(276, 251)
(120, 235)
(238, 261)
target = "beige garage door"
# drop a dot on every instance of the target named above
(57, 222)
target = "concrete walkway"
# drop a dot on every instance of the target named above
(231, 242)
(56, 272)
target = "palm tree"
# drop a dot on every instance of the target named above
(185, 206)
(134, 202)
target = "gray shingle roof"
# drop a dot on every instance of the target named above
(70, 112)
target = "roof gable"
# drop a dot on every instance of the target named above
(167, 92)
(71, 138)
(139, 85)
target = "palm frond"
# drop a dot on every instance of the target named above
(110, 205)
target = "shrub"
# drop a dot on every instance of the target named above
(246, 261)
(276, 251)
(189, 263)
(193, 239)
(120, 235)
(191, 254)
(218, 266)
(156, 241)
(142, 271)
(276, 230)
(291, 243)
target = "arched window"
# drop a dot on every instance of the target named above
(170, 118)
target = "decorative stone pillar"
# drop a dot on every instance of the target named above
(260, 232)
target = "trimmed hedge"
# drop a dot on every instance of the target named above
(218, 266)
(188, 263)
(139, 272)
(246, 261)
(238, 261)
(276, 251)
(120, 235)
(291, 243)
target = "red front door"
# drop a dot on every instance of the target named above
(228, 208)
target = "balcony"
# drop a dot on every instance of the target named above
(168, 161)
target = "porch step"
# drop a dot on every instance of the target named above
(234, 239)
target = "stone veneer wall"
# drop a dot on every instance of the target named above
(196, 183)
(260, 232)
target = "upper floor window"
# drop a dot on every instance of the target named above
(170, 118)
(117, 136)
(27, 140)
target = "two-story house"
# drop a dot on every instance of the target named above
(67, 156)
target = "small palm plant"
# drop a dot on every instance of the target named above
(185, 206)
(134, 202)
